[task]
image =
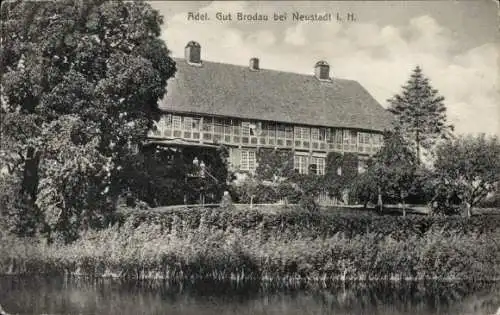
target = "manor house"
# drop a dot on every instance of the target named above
(244, 108)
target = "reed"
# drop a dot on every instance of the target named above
(290, 247)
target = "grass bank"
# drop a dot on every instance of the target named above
(278, 246)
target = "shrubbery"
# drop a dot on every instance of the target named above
(281, 245)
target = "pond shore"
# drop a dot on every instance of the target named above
(289, 246)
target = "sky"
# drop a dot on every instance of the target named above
(456, 43)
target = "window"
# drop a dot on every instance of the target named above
(302, 133)
(265, 130)
(281, 132)
(218, 126)
(350, 140)
(306, 134)
(347, 139)
(377, 141)
(207, 124)
(248, 160)
(167, 121)
(187, 123)
(338, 138)
(329, 135)
(252, 160)
(354, 140)
(195, 124)
(322, 134)
(300, 163)
(271, 133)
(314, 134)
(245, 129)
(176, 122)
(228, 127)
(319, 165)
(254, 129)
(334, 138)
(289, 132)
(297, 133)
(364, 142)
(361, 146)
(236, 128)
(164, 125)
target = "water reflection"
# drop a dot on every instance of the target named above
(57, 295)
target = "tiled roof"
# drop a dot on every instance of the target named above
(236, 91)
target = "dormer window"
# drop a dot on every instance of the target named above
(322, 71)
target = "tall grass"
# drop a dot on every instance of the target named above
(291, 247)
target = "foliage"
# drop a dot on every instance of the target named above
(420, 112)
(363, 188)
(80, 87)
(493, 199)
(212, 180)
(266, 192)
(468, 168)
(288, 192)
(162, 176)
(349, 167)
(274, 164)
(15, 216)
(422, 189)
(244, 191)
(265, 245)
(333, 180)
(394, 167)
(309, 184)
(73, 193)
(255, 191)
(277, 166)
(220, 170)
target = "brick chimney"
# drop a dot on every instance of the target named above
(322, 70)
(192, 53)
(254, 64)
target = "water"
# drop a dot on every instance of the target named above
(57, 295)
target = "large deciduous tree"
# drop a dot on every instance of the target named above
(469, 168)
(80, 83)
(420, 112)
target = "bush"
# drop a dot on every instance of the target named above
(492, 201)
(265, 194)
(289, 192)
(309, 202)
(254, 244)
(16, 215)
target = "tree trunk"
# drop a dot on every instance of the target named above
(28, 213)
(30, 176)
(380, 203)
(417, 143)
(403, 205)
(468, 209)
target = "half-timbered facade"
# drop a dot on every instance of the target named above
(245, 108)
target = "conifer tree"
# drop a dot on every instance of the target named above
(420, 113)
